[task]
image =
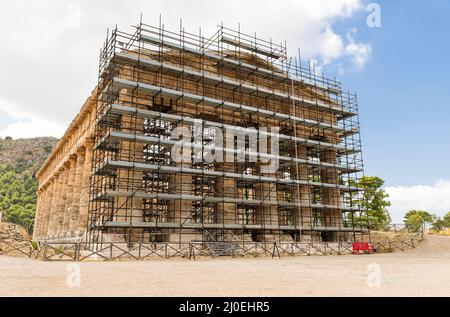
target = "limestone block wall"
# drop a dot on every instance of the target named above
(64, 180)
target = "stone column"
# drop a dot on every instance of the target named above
(86, 186)
(130, 180)
(43, 210)
(129, 209)
(42, 213)
(38, 214)
(72, 169)
(180, 211)
(48, 207)
(62, 205)
(302, 193)
(53, 222)
(267, 213)
(62, 201)
(225, 188)
(331, 196)
(77, 190)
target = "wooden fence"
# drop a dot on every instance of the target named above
(110, 251)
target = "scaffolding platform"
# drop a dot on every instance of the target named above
(238, 96)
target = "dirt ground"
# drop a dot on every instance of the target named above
(424, 271)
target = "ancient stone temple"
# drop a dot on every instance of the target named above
(64, 180)
(189, 138)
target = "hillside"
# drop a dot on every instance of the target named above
(26, 154)
(19, 161)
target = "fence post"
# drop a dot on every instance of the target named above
(77, 251)
(273, 251)
(191, 251)
(30, 245)
(45, 251)
(139, 252)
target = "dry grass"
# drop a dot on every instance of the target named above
(13, 231)
(445, 232)
(13, 236)
(385, 236)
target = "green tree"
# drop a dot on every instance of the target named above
(438, 224)
(18, 196)
(415, 219)
(374, 202)
(48, 149)
(446, 220)
(414, 222)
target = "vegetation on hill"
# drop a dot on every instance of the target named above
(19, 161)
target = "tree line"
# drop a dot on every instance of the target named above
(18, 196)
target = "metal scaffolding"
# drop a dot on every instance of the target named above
(153, 81)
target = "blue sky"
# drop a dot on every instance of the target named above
(400, 71)
(404, 100)
(404, 92)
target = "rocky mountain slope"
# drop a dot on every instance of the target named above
(26, 154)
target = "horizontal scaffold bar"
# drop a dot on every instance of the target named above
(108, 194)
(111, 165)
(115, 137)
(213, 79)
(229, 226)
(252, 48)
(149, 114)
(120, 83)
(234, 63)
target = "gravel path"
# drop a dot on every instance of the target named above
(424, 271)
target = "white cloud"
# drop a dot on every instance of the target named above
(25, 125)
(435, 199)
(33, 127)
(50, 49)
(358, 52)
